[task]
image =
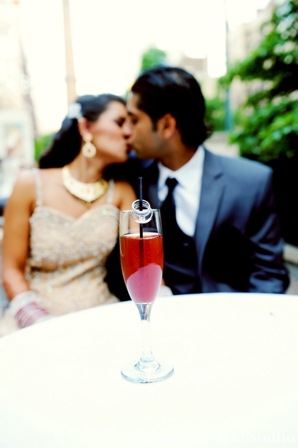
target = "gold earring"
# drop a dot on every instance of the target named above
(88, 149)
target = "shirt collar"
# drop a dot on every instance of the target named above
(188, 174)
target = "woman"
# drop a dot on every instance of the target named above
(61, 221)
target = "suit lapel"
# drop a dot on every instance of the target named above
(211, 193)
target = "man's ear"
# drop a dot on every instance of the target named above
(167, 125)
(83, 127)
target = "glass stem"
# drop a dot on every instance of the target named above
(147, 361)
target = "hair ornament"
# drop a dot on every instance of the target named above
(74, 111)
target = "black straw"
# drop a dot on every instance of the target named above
(141, 202)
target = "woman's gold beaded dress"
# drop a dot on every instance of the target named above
(66, 264)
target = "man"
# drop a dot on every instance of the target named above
(221, 231)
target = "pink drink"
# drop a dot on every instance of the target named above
(142, 264)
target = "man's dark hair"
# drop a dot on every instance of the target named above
(173, 90)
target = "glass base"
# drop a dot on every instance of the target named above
(133, 373)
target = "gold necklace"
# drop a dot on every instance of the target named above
(86, 192)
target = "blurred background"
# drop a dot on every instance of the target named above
(244, 54)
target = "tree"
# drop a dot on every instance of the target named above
(215, 113)
(152, 57)
(267, 124)
(41, 143)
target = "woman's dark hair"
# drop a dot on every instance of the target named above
(66, 143)
(172, 90)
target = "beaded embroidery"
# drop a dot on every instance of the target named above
(66, 265)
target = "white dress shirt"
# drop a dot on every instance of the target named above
(188, 191)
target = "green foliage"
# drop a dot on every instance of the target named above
(268, 121)
(269, 131)
(215, 113)
(40, 144)
(151, 58)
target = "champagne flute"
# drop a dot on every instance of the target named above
(141, 253)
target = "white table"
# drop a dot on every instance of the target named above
(235, 379)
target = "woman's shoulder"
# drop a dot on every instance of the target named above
(23, 192)
(124, 188)
(124, 194)
(50, 173)
(122, 184)
(25, 178)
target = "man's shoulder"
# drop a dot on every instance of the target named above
(238, 166)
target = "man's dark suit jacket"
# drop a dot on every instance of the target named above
(237, 233)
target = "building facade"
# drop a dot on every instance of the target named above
(241, 42)
(16, 124)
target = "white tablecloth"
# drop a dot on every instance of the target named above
(235, 381)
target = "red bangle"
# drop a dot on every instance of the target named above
(29, 314)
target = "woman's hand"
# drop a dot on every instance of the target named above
(164, 291)
(26, 309)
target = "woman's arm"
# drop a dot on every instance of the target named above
(16, 235)
(24, 303)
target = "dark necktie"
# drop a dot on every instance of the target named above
(180, 266)
(168, 216)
